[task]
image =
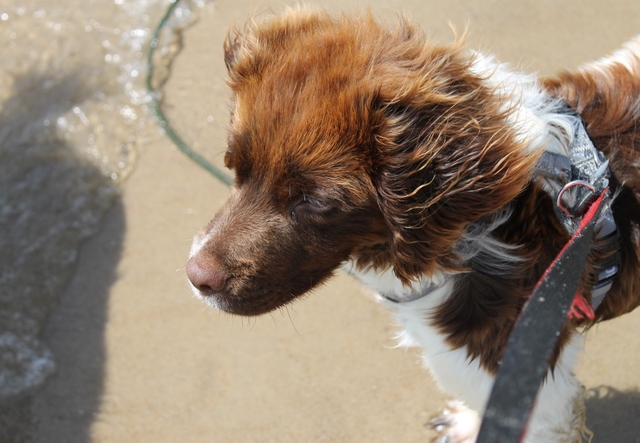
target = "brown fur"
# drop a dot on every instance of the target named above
(350, 140)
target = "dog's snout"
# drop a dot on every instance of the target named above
(206, 275)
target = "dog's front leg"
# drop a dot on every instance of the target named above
(456, 424)
(559, 412)
(558, 415)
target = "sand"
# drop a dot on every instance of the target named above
(140, 360)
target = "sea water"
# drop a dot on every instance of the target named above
(73, 111)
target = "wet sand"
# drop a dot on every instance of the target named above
(139, 359)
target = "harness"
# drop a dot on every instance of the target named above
(577, 179)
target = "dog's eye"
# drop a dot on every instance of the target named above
(310, 206)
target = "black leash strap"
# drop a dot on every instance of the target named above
(526, 359)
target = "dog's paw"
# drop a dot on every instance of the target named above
(456, 424)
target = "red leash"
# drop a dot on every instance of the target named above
(526, 359)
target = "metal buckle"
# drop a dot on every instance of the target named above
(576, 212)
(585, 198)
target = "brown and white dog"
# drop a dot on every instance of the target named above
(414, 165)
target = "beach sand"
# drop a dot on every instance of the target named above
(141, 360)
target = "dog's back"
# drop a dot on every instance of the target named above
(606, 94)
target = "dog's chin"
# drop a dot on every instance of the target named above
(246, 306)
(254, 296)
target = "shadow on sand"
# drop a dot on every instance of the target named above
(612, 415)
(64, 409)
(53, 288)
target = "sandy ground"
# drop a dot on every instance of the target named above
(140, 360)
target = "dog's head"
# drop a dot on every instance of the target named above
(349, 141)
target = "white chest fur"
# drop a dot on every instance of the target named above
(455, 373)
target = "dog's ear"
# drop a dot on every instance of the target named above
(237, 51)
(441, 166)
(262, 39)
(231, 48)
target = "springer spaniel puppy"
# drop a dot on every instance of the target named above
(432, 173)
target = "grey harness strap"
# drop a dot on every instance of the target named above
(411, 297)
(578, 179)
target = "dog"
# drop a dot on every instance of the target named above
(432, 173)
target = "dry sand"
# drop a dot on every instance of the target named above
(140, 360)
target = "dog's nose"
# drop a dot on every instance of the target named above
(206, 275)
